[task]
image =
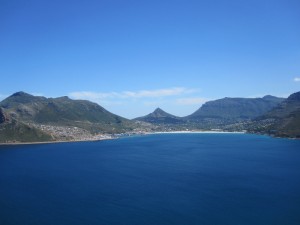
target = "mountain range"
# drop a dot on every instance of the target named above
(221, 113)
(267, 115)
(22, 111)
(217, 113)
(28, 118)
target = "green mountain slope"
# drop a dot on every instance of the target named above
(28, 118)
(220, 113)
(63, 111)
(15, 131)
(283, 120)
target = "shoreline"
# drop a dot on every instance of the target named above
(124, 135)
(53, 142)
(199, 132)
(137, 134)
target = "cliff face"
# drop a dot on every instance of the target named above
(3, 116)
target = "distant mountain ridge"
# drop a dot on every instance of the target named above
(216, 114)
(236, 108)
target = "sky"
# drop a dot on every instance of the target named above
(136, 55)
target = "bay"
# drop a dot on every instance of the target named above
(206, 179)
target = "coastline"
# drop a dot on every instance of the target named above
(199, 132)
(137, 134)
(53, 142)
(123, 135)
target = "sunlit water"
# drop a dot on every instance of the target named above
(203, 179)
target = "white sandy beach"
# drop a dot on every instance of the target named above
(199, 132)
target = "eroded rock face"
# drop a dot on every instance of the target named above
(3, 117)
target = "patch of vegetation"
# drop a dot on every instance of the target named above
(18, 132)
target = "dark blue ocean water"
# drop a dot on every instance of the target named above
(203, 179)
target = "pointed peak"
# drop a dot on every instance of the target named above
(20, 97)
(158, 110)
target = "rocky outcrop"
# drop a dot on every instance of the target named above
(3, 117)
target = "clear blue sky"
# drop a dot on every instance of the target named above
(134, 56)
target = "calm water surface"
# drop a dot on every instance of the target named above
(203, 179)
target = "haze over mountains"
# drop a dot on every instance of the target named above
(26, 118)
